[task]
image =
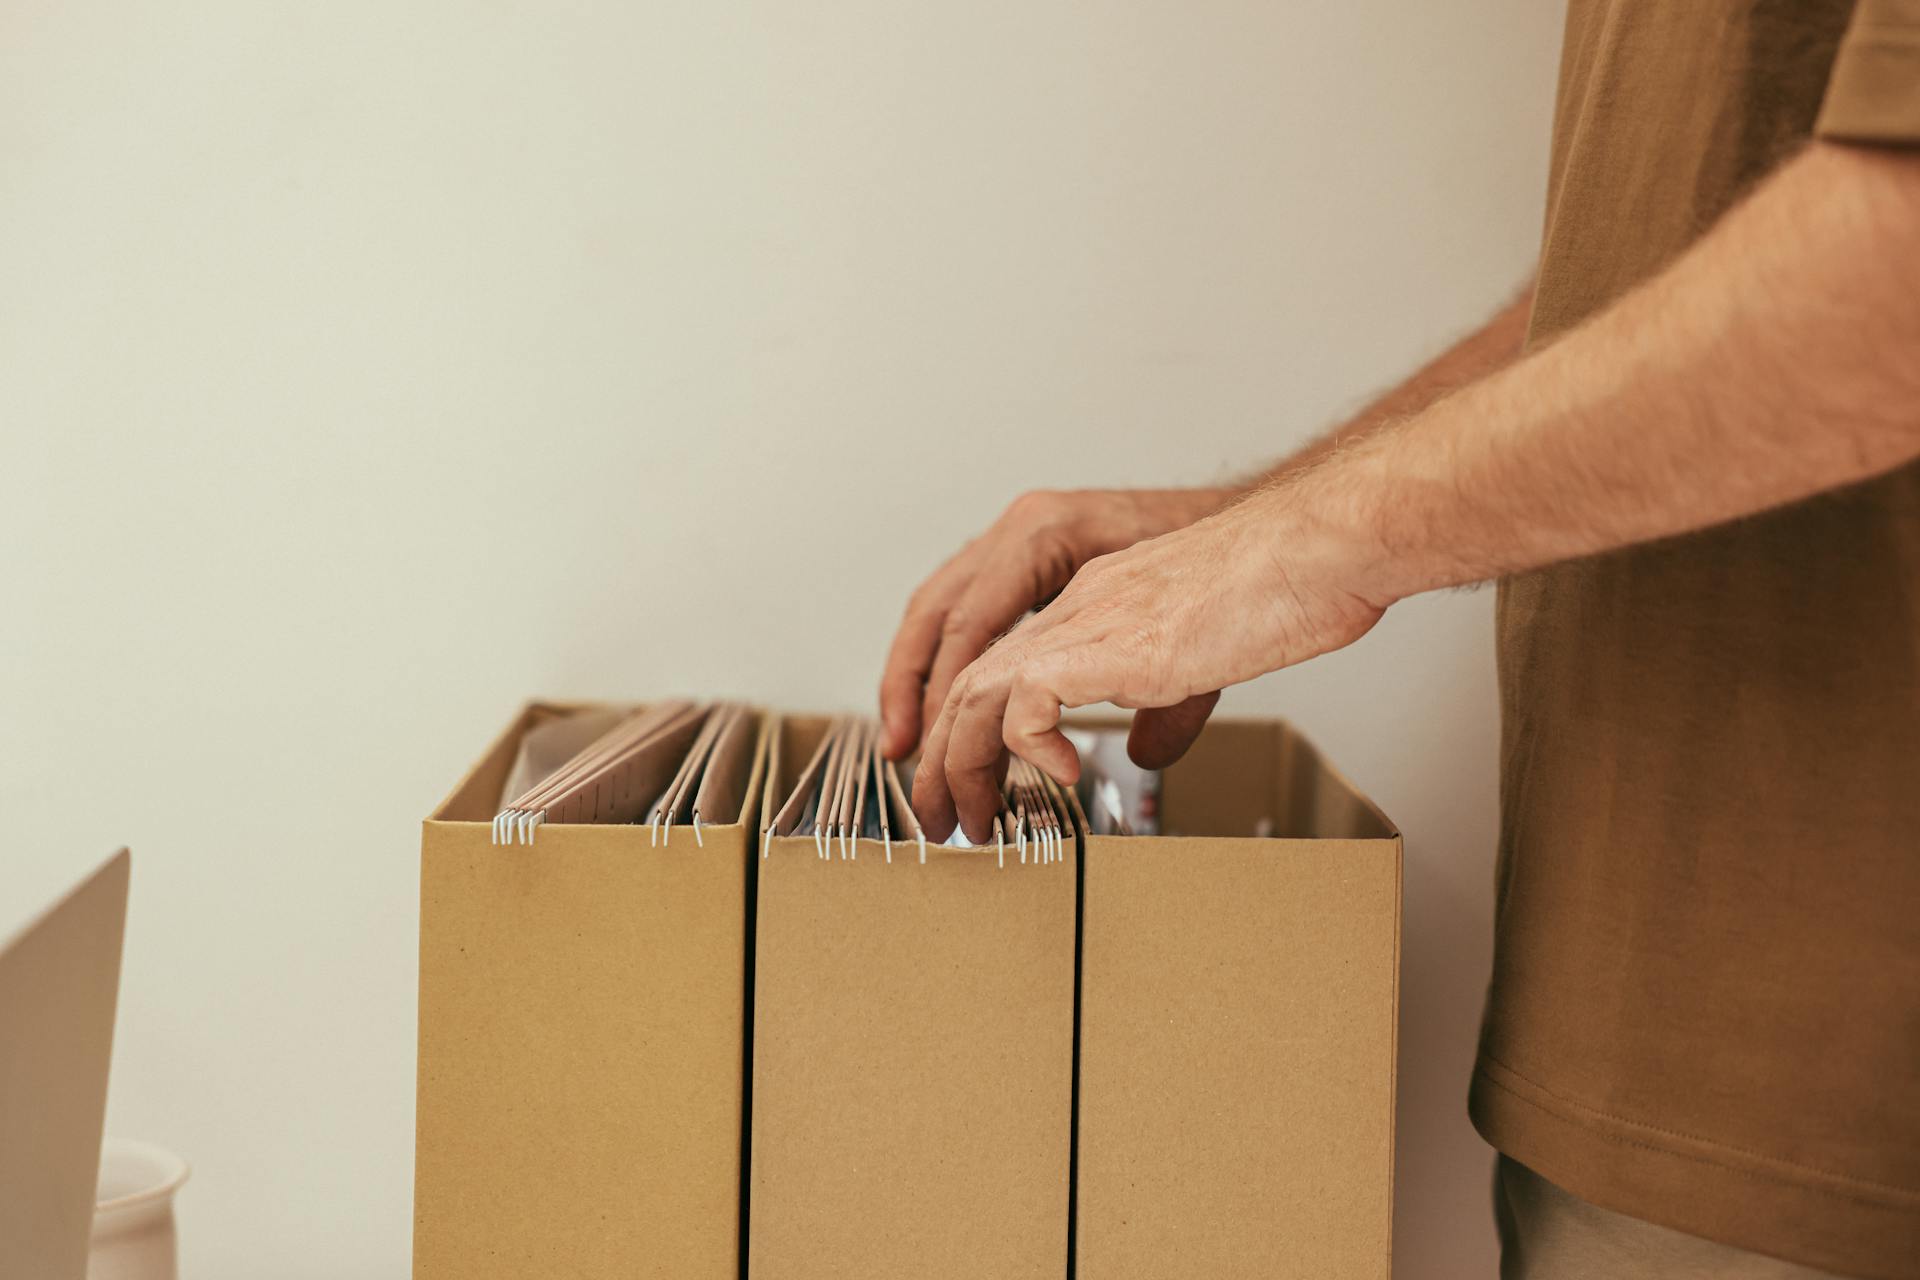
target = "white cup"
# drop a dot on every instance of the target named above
(133, 1232)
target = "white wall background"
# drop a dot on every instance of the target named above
(365, 368)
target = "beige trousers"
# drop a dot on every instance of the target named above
(1547, 1233)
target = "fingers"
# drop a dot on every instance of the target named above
(1032, 732)
(936, 800)
(1028, 555)
(1009, 700)
(1161, 735)
(956, 653)
(965, 759)
(901, 681)
(991, 603)
(1139, 628)
(974, 752)
(911, 657)
(932, 802)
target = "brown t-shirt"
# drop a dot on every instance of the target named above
(1705, 1008)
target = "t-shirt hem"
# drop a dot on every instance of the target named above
(1817, 1218)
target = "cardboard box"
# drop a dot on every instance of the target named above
(1237, 1024)
(583, 1042)
(585, 1065)
(913, 1059)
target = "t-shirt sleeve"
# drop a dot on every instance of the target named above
(1873, 94)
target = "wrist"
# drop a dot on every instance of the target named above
(1189, 506)
(1328, 532)
(1140, 514)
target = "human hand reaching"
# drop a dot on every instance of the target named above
(1022, 561)
(1161, 627)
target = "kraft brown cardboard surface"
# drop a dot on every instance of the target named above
(913, 1048)
(583, 1019)
(1237, 1031)
(59, 982)
(914, 1063)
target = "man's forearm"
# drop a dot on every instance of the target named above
(1487, 349)
(1491, 347)
(1033, 550)
(1778, 358)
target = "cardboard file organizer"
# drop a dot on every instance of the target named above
(716, 1055)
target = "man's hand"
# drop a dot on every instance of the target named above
(1020, 563)
(1775, 359)
(1161, 626)
(1029, 554)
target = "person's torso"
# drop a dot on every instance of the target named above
(1709, 883)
